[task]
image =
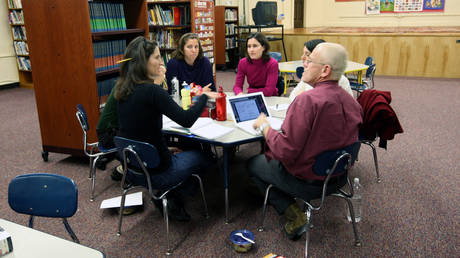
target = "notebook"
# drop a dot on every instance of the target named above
(247, 108)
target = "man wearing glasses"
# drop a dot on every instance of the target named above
(324, 118)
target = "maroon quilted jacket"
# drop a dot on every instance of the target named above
(379, 118)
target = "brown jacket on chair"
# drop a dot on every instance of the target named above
(379, 118)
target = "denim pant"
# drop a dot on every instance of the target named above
(183, 165)
(286, 186)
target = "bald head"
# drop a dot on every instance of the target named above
(334, 55)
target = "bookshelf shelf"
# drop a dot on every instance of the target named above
(226, 36)
(21, 48)
(118, 32)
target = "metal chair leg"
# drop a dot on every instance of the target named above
(353, 222)
(93, 178)
(31, 221)
(307, 231)
(374, 152)
(165, 215)
(206, 213)
(122, 207)
(91, 161)
(69, 229)
(267, 191)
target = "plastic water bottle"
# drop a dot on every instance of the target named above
(356, 200)
(175, 90)
(186, 99)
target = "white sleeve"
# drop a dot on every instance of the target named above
(345, 84)
(301, 87)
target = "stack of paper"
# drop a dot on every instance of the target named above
(204, 127)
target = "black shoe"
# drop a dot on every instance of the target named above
(116, 173)
(176, 210)
(101, 163)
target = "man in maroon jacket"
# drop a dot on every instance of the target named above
(324, 118)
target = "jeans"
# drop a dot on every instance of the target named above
(183, 165)
(286, 186)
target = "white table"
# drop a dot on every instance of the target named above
(286, 68)
(28, 242)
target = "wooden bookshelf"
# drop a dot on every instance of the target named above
(194, 16)
(226, 36)
(20, 44)
(62, 44)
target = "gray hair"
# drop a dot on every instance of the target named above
(335, 55)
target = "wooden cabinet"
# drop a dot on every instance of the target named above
(226, 36)
(62, 52)
(20, 44)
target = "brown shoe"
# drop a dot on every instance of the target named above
(296, 222)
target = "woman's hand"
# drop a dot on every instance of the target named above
(207, 88)
(160, 77)
(174, 150)
(212, 94)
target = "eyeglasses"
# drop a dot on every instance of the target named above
(308, 60)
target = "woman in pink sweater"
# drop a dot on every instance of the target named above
(258, 67)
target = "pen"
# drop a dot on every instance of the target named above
(124, 60)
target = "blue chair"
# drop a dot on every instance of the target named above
(367, 83)
(44, 195)
(138, 158)
(93, 156)
(369, 60)
(299, 71)
(328, 163)
(276, 56)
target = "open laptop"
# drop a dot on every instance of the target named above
(246, 109)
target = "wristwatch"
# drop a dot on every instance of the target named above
(262, 127)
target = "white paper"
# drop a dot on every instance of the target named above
(212, 131)
(279, 107)
(133, 199)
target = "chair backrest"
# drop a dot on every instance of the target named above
(45, 195)
(325, 161)
(82, 117)
(299, 71)
(276, 56)
(146, 152)
(370, 71)
(369, 60)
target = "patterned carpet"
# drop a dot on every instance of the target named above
(413, 212)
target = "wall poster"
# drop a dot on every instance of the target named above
(405, 6)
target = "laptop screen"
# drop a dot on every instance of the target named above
(248, 107)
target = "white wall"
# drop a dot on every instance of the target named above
(8, 66)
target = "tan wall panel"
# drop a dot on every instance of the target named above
(421, 56)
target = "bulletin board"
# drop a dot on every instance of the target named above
(403, 6)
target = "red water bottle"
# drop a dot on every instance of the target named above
(221, 105)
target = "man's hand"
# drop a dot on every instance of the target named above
(260, 121)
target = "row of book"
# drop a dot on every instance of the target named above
(21, 48)
(108, 53)
(166, 38)
(231, 15)
(104, 87)
(16, 17)
(19, 33)
(231, 43)
(24, 63)
(175, 15)
(106, 16)
(230, 29)
(14, 4)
